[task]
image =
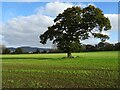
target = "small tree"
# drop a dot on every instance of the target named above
(90, 47)
(5, 51)
(18, 51)
(101, 46)
(37, 51)
(109, 47)
(117, 46)
(76, 24)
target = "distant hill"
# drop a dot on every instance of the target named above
(29, 49)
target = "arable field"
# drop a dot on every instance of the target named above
(90, 69)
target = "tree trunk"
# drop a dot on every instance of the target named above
(69, 55)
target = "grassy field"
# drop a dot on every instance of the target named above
(90, 69)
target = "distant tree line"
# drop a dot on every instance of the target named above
(21, 51)
(7, 51)
(101, 47)
(84, 48)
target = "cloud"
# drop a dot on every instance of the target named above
(113, 33)
(114, 20)
(53, 8)
(25, 30)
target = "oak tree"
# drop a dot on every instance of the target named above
(76, 24)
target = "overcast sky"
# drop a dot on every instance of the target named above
(23, 22)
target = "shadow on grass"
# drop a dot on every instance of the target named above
(29, 58)
(38, 58)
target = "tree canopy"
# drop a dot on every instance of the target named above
(6, 51)
(76, 24)
(18, 51)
